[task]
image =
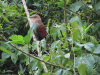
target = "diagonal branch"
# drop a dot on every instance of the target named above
(91, 9)
(31, 54)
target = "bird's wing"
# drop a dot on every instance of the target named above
(42, 30)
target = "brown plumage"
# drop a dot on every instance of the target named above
(39, 29)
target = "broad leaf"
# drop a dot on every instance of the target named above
(81, 69)
(97, 51)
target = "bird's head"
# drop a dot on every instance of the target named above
(35, 18)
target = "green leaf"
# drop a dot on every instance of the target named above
(60, 4)
(93, 40)
(46, 73)
(5, 50)
(53, 32)
(75, 31)
(89, 46)
(59, 71)
(87, 29)
(96, 27)
(81, 69)
(5, 55)
(50, 2)
(37, 4)
(13, 37)
(39, 64)
(84, 26)
(27, 60)
(4, 17)
(48, 26)
(18, 39)
(27, 39)
(43, 42)
(22, 69)
(17, 42)
(97, 51)
(89, 70)
(97, 7)
(53, 45)
(59, 47)
(46, 58)
(34, 64)
(63, 29)
(14, 58)
(89, 60)
(77, 5)
(76, 19)
(34, 44)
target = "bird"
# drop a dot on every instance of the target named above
(38, 27)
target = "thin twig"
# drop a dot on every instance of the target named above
(89, 18)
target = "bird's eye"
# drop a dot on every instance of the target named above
(34, 17)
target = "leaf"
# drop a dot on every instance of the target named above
(43, 42)
(89, 60)
(4, 17)
(96, 27)
(14, 58)
(27, 60)
(46, 13)
(97, 51)
(89, 46)
(89, 70)
(59, 47)
(37, 4)
(63, 29)
(67, 55)
(81, 69)
(77, 5)
(27, 39)
(46, 73)
(78, 44)
(53, 32)
(46, 58)
(22, 69)
(97, 7)
(93, 40)
(5, 55)
(84, 26)
(5, 50)
(48, 26)
(53, 45)
(13, 37)
(34, 44)
(50, 2)
(87, 29)
(75, 31)
(18, 39)
(76, 19)
(39, 64)
(34, 64)
(59, 71)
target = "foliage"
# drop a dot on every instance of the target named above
(76, 50)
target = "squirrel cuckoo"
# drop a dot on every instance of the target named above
(38, 27)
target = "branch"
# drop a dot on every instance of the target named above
(30, 23)
(91, 9)
(89, 18)
(31, 54)
(65, 13)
